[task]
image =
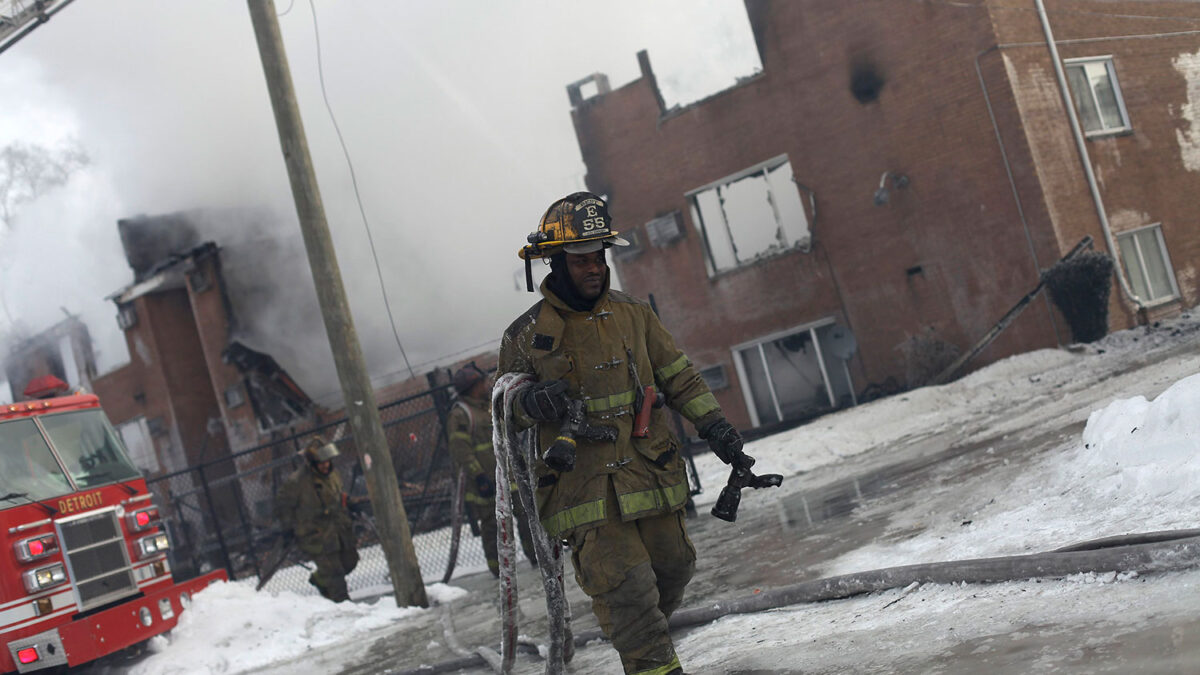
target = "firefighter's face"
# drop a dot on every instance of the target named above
(587, 272)
(325, 467)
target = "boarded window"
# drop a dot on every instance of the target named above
(751, 215)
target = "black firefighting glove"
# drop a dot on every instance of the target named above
(545, 401)
(484, 486)
(726, 443)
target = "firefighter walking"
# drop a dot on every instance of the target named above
(619, 506)
(312, 507)
(469, 427)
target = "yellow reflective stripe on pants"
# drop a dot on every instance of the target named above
(483, 447)
(662, 670)
(699, 407)
(460, 436)
(653, 499)
(567, 519)
(476, 499)
(671, 369)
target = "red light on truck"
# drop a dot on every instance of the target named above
(27, 655)
(141, 519)
(35, 547)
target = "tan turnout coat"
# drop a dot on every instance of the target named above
(591, 350)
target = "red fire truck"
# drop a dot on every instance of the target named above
(85, 572)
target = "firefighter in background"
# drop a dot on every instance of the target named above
(469, 427)
(314, 509)
(620, 505)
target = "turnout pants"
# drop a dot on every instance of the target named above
(635, 573)
(332, 568)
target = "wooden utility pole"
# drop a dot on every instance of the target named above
(361, 409)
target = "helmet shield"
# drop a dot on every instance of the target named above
(321, 452)
(326, 452)
(578, 223)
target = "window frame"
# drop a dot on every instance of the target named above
(738, 364)
(141, 423)
(1162, 251)
(762, 168)
(1111, 69)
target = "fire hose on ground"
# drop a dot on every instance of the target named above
(1148, 552)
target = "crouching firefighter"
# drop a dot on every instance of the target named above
(470, 432)
(313, 508)
(610, 479)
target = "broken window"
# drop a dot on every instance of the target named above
(751, 215)
(136, 436)
(715, 377)
(1147, 266)
(796, 374)
(1097, 95)
(126, 316)
(234, 396)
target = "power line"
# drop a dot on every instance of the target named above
(437, 359)
(357, 196)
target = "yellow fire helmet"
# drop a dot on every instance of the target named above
(578, 223)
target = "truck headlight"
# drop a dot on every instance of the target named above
(44, 577)
(153, 545)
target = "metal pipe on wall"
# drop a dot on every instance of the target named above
(1081, 145)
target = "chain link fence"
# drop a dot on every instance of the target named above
(220, 514)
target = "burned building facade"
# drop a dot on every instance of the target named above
(64, 350)
(896, 177)
(192, 391)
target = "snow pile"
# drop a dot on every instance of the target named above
(1136, 469)
(232, 629)
(1143, 450)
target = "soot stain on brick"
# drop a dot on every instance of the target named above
(866, 80)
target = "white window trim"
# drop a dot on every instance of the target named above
(690, 195)
(1107, 60)
(778, 160)
(1166, 257)
(144, 425)
(744, 382)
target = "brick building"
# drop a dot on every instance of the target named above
(191, 392)
(894, 180)
(195, 390)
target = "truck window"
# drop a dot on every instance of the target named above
(27, 467)
(89, 448)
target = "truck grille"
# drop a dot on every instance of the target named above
(97, 558)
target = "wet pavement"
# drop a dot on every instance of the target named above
(791, 535)
(881, 496)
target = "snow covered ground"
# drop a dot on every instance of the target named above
(1135, 467)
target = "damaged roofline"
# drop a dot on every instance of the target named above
(575, 94)
(169, 275)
